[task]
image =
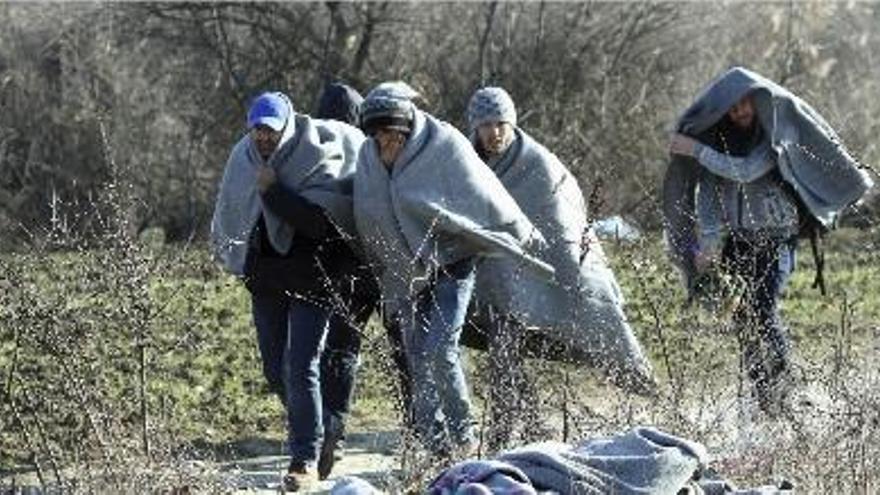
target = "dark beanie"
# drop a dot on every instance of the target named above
(340, 102)
(381, 111)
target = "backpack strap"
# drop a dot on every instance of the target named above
(819, 258)
(809, 228)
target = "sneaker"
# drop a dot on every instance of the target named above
(467, 449)
(300, 477)
(465, 445)
(331, 450)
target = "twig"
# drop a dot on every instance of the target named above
(41, 432)
(30, 443)
(484, 39)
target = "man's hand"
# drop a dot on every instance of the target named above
(265, 177)
(682, 145)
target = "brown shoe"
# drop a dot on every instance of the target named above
(300, 477)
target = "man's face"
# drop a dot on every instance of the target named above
(495, 137)
(266, 140)
(390, 143)
(742, 114)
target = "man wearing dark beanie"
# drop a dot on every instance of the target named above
(427, 210)
(338, 109)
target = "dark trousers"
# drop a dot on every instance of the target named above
(341, 356)
(764, 264)
(331, 328)
(340, 362)
(290, 334)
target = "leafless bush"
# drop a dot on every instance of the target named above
(598, 83)
(118, 117)
(79, 318)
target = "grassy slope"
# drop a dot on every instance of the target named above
(204, 375)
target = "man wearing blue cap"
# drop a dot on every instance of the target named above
(282, 223)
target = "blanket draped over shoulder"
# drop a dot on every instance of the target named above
(582, 307)
(809, 154)
(309, 160)
(438, 204)
(352, 139)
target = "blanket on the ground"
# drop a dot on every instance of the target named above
(643, 461)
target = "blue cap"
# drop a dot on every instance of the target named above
(271, 109)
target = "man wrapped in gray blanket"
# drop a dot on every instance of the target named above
(753, 168)
(283, 223)
(582, 307)
(427, 209)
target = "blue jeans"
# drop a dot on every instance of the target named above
(290, 334)
(765, 264)
(441, 403)
(341, 356)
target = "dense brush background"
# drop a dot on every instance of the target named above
(124, 351)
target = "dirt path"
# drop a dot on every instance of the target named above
(369, 456)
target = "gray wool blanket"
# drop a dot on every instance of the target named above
(642, 461)
(351, 138)
(309, 160)
(800, 144)
(438, 204)
(582, 306)
(809, 153)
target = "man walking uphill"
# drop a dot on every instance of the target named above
(753, 166)
(427, 210)
(582, 309)
(281, 222)
(338, 111)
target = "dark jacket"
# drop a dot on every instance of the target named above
(319, 263)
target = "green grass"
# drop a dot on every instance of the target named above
(76, 321)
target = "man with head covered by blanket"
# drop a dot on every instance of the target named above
(752, 166)
(581, 307)
(427, 210)
(282, 222)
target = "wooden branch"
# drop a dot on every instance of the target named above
(484, 39)
(225, 57)
(363, 51)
